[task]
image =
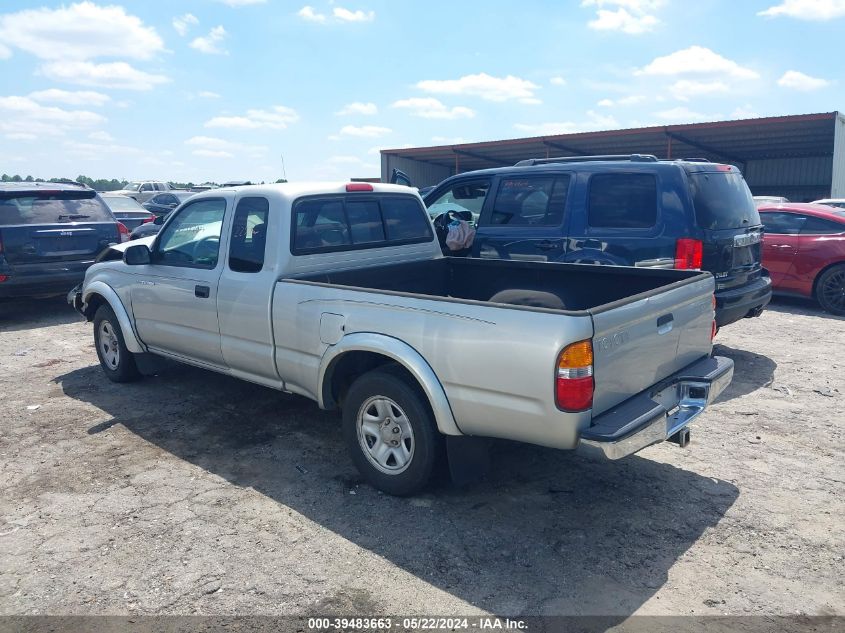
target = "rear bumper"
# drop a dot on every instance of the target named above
(747, 300)
(46, 279)
(661, 413)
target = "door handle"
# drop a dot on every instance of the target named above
(781, 246)
(202, 291)
(665, 323)
(547, 245)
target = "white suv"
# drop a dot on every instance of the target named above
(143, 190)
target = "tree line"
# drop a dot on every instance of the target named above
(101, 184)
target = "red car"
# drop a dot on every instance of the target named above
(804, 250)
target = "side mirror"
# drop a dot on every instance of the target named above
(159, 220)
(136, 255)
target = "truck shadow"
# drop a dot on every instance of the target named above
(30, 313)
(549, 532)
(751, 372)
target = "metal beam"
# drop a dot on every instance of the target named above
(703, 147)
(489, 159)
(565, 148)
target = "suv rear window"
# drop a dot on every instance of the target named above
(722, 201)
(336, 223)
(52, 208)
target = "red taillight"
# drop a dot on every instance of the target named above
(3, 278)
(359, 186)
(574, 380)
(149, 219)
(713, 329)
(123, 232)
(688, 254)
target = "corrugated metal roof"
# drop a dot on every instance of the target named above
(738, 141)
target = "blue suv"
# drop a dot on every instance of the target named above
(620, 211)
(50, 233)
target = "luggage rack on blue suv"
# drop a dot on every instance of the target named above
(637, 158)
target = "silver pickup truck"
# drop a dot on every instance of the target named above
(340, 293)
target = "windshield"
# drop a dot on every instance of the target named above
(132, 186)
(122, 203)
(722, 201)
(52, 208)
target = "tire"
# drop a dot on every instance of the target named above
(830, 290)
(390, 433)
(117, 362)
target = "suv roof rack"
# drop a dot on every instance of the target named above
(65, 181)
(636, 158)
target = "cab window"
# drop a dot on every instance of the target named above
(249, 235)
(463, 196)
(192, 238)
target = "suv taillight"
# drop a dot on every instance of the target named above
(123, 232)
(688, 254)
(574, 379)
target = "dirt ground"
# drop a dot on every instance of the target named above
(190, 492)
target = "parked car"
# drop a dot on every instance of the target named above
(760, 200)
(339, 292)
(832, 202)
(164, 203)
(622, 211)
(50, 234)
(804, 250)
(148, 228)
(127, 210)
(143, 190)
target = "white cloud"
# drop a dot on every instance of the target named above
(25, 115)
(101, 136)
(447, 140)
(363, 131)
(276, 118)
(795, 80)
(345, 15)
(685, 89)
(97, 151)
(557, 81)
(697, 60)
(345, 160)
(78, 32)
(111, 75)
(431, 108)
(594, 121)
(357, 107)
(210, 44)
(744, 112)
(633, 17)
(21, 136)
(807, 9)
(68, 97)
(484, 86)
(183, 23)
(681, 114)
(207, 94)
(213, 147)
(309, 14)
(5, 53)
(624, 101)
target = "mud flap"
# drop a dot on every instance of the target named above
(469, 458)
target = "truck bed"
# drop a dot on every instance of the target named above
(569, 288)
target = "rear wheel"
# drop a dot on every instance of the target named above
(390, 433)
(117, 362)
(830, 290)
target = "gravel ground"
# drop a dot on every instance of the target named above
(190, 492)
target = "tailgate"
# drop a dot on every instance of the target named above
(641, 342)
(29, 244)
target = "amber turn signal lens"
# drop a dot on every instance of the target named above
(578, 354)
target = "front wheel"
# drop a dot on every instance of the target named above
(390, 433)
(117, 362)
(830, 290)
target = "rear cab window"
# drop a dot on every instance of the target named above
(52, 207)
(342, 222)
(722, 200)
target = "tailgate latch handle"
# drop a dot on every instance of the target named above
(665, 323)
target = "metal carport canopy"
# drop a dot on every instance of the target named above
(738, 141)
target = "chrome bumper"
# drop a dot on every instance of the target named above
(661, 413)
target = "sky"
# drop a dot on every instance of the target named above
(215, 90)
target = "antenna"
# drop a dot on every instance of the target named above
(284, 173)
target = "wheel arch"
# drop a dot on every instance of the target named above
(98, 293)
(357, 353)
(822, 272)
